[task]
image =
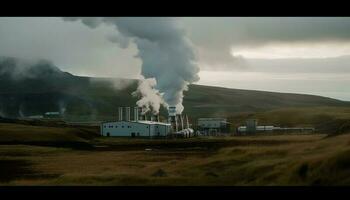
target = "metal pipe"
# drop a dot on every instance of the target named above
(188, 125)
(182, 122)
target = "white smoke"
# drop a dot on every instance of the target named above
(151, 98)
(164, 49)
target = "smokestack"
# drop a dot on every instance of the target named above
(182, 121)
(136, 114)
(188, 125)
(127, 113)
(142, 114)
(120, 112)
(155, 117)
(176, 125)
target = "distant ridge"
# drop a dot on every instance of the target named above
(39, 87)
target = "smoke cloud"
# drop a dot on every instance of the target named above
(151, 98)
(165, 51)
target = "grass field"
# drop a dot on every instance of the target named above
(254, 160)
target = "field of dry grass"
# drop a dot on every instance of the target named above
(255, 160)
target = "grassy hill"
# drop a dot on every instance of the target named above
(42, 87)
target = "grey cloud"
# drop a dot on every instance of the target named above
(221, 60)
(251, 31)
(310, 65)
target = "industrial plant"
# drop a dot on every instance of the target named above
(148, 125)
(140, 126)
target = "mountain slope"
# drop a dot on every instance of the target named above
(35, 88)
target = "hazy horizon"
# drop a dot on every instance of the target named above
(288, 54)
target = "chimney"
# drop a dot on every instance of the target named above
(120, 112)
(182, 121)
(127, 113)
(144, 114)
(188, 124)
(136, 114)
(141, 115)
(155, 117)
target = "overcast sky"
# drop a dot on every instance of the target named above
(301, 55)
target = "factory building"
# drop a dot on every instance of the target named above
(137, 127)
(213, 126)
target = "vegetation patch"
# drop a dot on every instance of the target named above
(11, 169)
(159, 173)
(303, 170)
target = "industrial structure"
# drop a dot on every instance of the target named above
(251, 127)
(213, 126)
(138, 127)
(177, 125)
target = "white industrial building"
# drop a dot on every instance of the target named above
(135, 128)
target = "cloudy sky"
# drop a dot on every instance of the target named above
(299, 55)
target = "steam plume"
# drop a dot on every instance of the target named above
(151, 99)
(164, 49)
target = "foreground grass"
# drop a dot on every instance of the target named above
(258, 160)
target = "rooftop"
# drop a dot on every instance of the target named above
(142, 122)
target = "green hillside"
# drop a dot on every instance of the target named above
(43, 87)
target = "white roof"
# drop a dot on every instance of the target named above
(151, 122)
(143, 122)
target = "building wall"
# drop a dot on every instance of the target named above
(125, 128)
(161, 130)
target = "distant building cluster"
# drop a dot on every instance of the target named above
(251, 127)
(212, 126)
(179, 126)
